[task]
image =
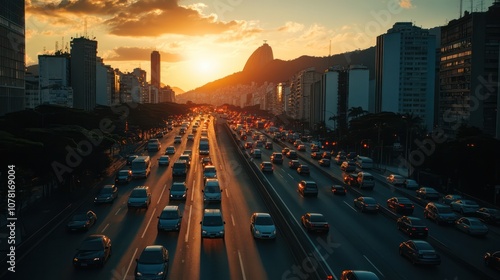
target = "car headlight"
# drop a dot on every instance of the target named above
(257, 231)
(274, 231)
(75, 259)
(138, 273)
(204, 231)
(183, 195)
(160, 273)
(97, 259)
(171, 195)
(221, 232)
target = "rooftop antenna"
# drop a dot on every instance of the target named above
(85, 28)
(460, 15)
(57, 46)
(265, 41)
(330, 49)
(62, 43)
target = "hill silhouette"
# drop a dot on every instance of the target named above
(278, 70)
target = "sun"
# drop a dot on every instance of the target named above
(205, 66)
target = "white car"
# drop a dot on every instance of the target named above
(464, 206)
(262, 226)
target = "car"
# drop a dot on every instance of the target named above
(107, 194)
(348, 166)
(303, 169)
(400, 205)
(178, 191)
(488, 215)
(186, 158)
(427, 193)
(308, 188)
(292, 154)
(248, 145)
(285, 151)
(449, 198)
(262, 226)
(358, 275)
(81, 221)
(209, 171)
(277, 158)
(206, 161)
(266, 166)
(412, 226)
(301, 148)
(258, 144)
(178, 139)
(164, 160)
(315, 222)
(440, 213)
(316, 155)
(294, 164)
(339, 159)
(159, 135)
(366, 203)
(324, 162)
(170, 150)
(212, 224)
(268, 145)
(419, 252)
(492, 259)
(212, 191)
(190, 137)
(131, 158)
(95, 250)
(464, 206)
(471, 226)
(296, 143)
(170, 219)
(411, 184)
(256, 153)
(339, 190)
(123, 176)
(152, 263)
(140, 197)
(395, 180)
(351, 179)
(327, 155)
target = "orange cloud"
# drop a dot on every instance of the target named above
(139, 54)
(406, 4)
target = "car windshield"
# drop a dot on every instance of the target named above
(123, 172)
(169, 215)
(212, 221)
(211, 188)
(317, 218)
(210, 170)
(94, 244)
(265, 220)
(79, 217)
(151, 257)
(138, 193)
(106, 190)
(404, 200)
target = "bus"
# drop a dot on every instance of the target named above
(364, 162)
(141, 167)
(204, 147)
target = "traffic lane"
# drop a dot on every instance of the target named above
(344, 213)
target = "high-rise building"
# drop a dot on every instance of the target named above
(83, 73)
(405, 72)
(155, 69)
(468, 75)
(12, 55)
(54, 80)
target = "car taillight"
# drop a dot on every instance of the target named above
(413, 228)
(327, 225)
(426, 229)
(401, 205)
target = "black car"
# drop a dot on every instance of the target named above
(324, 162)
(123, 176)
(419, 252)
(339, 190)
(351, 179)
(412, 226)
(316, 155)
(178, 191)
(95, 250)
(82, 221)
(488, 215)
(107, 194)
(294, 164)
(285, 151)
(303, 169)
(206, 161)
(315, 222)
(277, 158)
(492, 260)
(400, 205)
(131, 158)
(292, 154)
(152, 263)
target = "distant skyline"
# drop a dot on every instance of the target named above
(202, 41)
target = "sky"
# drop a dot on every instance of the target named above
(205, 40)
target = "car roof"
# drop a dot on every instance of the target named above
(262, 214)
(153, 248)
(171, 208)
(212, 212)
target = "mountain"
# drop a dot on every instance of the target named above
(177, 90)
(261, 67)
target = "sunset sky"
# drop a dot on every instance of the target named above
(204, 40)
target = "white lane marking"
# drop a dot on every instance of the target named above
(192, 190)
(161, 194)
(129, 265)
(227, 192)
(105, 228)
(232, 219)
(150, 218)
(116, 213)
(290, 175)
(350, 206)
(189, 223)
(373, 265)
(241, 265)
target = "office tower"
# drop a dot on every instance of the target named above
(83, 73)
(12, 55)
(54, 80)
(155, 69)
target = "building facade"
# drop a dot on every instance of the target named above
(468, 76)
(405, 72)
(83, 73)
(55, 80)
(155, 69)
(12, 56)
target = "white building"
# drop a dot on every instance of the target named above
(405, 72)
(55, 80)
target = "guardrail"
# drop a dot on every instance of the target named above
(286, 226)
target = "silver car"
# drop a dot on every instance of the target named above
(471, 226)
(170, 218)
(262, 226)
(212, 225)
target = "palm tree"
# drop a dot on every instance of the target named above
(356, 112)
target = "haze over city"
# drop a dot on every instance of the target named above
(201, 41)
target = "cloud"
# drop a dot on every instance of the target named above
(406, 4)
(135, 18)
(139, 54)
(291, 27)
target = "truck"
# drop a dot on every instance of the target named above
(141, 167)
(204, 147)
(154, 144)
